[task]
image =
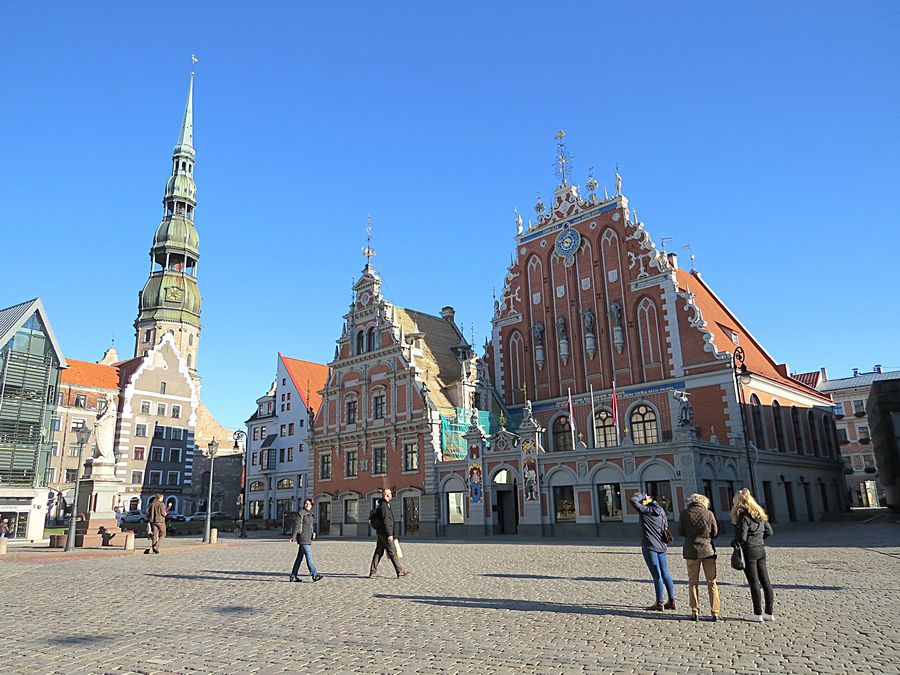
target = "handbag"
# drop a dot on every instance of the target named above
(397, 549)
(667, 536)
(737, 557)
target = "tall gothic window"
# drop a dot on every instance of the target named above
(562, 434)
(779, 426)
(759, 438)
(813, 435)
(360, 342)
(370, 339)
(798, 436)
(604, 430)
(644, 428)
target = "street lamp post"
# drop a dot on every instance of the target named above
(741, 378)
(239, 437)
(82, 433)
(212, 447)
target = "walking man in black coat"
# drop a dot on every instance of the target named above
(382, 520)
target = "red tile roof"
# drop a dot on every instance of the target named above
(721, 322)
(89, 374)
(809, 379)
(308, 378)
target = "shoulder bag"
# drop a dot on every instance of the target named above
(737, 557)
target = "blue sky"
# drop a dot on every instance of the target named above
(764, 135)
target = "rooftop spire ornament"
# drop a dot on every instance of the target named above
(563, 160)
(367, 250)
(618, 181)
(592, 183)
(518, 220)
(539, 206)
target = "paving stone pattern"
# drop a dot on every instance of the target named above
(538, 607)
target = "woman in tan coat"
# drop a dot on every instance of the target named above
(698, 527)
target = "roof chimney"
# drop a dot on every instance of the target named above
(856, 372)
(448, 313)
(673, 260)
(877, 367)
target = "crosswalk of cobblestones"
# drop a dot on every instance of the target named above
(467, 607)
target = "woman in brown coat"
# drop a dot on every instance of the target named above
(698, 527)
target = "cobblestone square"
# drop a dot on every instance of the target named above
(509, 606)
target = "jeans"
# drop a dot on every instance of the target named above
(659, 570)
(709, 571)
(304, 551)
(757, 574)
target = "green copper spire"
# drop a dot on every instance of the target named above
(170, 300)
(185, 143)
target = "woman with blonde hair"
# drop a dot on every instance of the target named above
(698, 526)
(751, 529)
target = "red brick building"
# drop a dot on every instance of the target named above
(588, 301)
(398, 378)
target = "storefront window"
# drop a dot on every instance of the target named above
(609, 496)
(455, 506)
(564, 503)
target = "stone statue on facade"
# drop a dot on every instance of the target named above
(686, 416)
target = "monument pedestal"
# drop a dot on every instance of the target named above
(98, 495)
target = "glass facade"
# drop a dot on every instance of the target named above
(29, 377)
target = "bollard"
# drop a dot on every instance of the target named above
(213, 535)
(3, 542)
(129, 541)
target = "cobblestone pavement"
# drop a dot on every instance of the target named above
(534, 607)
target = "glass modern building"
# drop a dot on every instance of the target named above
(30, 362)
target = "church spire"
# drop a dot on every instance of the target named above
(185, 145)
(170, 300)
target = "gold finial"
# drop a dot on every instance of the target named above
(560, 135)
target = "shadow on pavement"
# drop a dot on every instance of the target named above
(792, 587)
(77, 640)
(534, 606)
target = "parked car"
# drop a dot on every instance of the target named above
(176, 517)
(216, 515)
(134, 517)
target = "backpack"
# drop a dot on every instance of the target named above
(375, 517)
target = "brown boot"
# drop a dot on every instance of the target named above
(670, 604)
(657, 607)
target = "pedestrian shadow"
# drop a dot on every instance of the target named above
(255, 573)
(76, 640)
(235, 609)
(533, 606)
(206, 577)
(678, 582)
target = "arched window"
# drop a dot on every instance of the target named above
(643, 425)
(256, 486)
(190, 360)
(285, 484)
(562, 434)
(826, 436)
(370, 339)
(779, 426)
(604, 430)
(813, 436)
(759, 438)
(360, 338)
(516, 372)
(190, 339)
(798, 437)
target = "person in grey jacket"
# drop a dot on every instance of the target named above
(654, 523)
(751, 529)
(698, 527)
(383, 524)
(304, 531)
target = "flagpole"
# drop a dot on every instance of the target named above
(571, 418)
(593, 418)
(615, 405)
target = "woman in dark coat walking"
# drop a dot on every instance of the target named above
(654, 523)
(698, 527)
(751, 529)
(304, 531)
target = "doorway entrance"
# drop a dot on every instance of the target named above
(507, 508)
(324, 517)
(410, 515)
(789, 496)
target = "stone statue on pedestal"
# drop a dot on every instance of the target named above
(105, 434)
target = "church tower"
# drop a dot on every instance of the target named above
(170, 300)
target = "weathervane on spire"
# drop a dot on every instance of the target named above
(194, 60)
(592, 183)
(368, 251)
(563, 159)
